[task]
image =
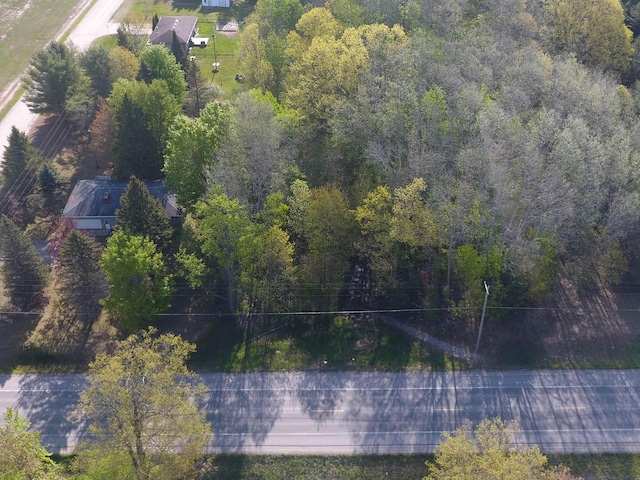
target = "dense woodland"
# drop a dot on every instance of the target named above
(383, 155)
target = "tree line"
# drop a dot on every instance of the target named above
(382, 154)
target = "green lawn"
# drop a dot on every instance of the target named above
(26, 31)
(316, 344)
(222, 49)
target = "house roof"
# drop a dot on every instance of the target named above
(101, 198)
(183, 26)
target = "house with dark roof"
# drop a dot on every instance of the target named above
(185, 27)
(92, 204)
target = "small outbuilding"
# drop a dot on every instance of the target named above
(216, 3)
(92, 204)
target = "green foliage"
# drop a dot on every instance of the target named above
(23, 456)
(142, 214)
(80, 282)
(594, 30)
(374, 244)
(278, 16)
(157, 63)
(329, 231)
(140, 287)
(220, 223)
(50, 192)
(192, 150)
(488, 451)
(124, 64)
(51, 75)
(97, 65)
(24, 273)
(267, 273)
(413, 222)
(20, 160)
(142, 116)
(142, 411)
(80, 105)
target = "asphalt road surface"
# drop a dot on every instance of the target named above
(340, 413)
(95, 24)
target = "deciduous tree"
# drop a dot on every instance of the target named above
(139, 285)
(23, 456)
(192, 149)
(489, 451)
(594, 30)
(220, 223)
(157, 62)
(141, 404)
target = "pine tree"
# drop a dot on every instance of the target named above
(24, 273)
(53, 72)
(178, 51)
(19, 163)
(141, 214)
(137, 152)
(79, 280)
(50, 192)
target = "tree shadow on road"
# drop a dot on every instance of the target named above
(49, 402)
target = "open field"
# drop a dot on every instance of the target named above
(27, 26)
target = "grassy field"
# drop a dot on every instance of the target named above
(27, 26)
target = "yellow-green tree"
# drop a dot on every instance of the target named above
(142, 409)
(490, 452)
(23, 456)
(592, 29)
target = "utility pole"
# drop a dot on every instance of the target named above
(484, 308)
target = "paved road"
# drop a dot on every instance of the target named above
(96, 23)
(562, 411)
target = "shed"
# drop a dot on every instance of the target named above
(216, 3)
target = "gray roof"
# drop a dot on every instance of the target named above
(101, 198)
(183, 26)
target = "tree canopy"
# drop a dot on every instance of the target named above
(139, 284)
(489, 451)
(51, 75)
(142, 409)
(23, 456)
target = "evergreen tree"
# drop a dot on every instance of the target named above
(53, 72)
(80, 283)
(23, 271)
(19, 161)
(97, 66)
(50, 192)
(137, 152)
(178, 51)
(141, 214)
(154, 21)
